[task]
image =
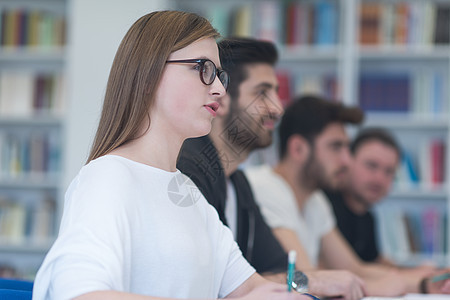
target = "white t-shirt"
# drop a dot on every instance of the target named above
(280, 209)
(134, 228)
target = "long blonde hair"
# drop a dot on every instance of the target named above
(137, 70)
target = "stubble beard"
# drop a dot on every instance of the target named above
(249, 129)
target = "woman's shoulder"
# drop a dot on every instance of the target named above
(107, 162)
(106, 171)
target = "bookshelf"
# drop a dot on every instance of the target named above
(32, 107)
(392, 58)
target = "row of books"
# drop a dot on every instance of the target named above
(32, 224)
(291, 85)
(295, 23)
(24, 93)
(419, 93)
(405, 233)
(317, 22)
(33, 155)
(31, 28)
(424, 169)
(414, 22)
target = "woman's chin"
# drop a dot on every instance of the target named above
(202, 131)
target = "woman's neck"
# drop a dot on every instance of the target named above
(155, 148)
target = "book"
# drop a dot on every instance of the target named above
(325, 23)
(437, 161)
(43, 221)
(370, 23)
(269, 29)
(442, 32)
(242, 21)
(284, 87)
(16, 90)
(401, 28)
(384, 92)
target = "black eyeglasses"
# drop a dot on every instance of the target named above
(208, 71)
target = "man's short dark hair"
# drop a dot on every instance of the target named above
(237, 53)
(374, 134)
(308, 116)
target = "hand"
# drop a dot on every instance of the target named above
(273, 291)
(413, 276)
(392, 284)
(438, 287)
(334, 283)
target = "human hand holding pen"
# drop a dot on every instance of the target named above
(292, 257)
(439, 283)
(332, 284)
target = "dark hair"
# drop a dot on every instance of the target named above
(308, 116)
(237, 53)
(137, 70)
(374, 134)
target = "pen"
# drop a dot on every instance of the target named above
(440, 277)
(292, 256)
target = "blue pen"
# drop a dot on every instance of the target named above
(437, 278)
(292, 256)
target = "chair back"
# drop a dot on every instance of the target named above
(15, 295)
(15, 289)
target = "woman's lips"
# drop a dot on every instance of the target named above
(212, 108)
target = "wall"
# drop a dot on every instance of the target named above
(95, 31)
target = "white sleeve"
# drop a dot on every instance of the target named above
(89, 253)
(275, 200)
(326, 221)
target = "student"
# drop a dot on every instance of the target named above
(375, 156)
(244, 122)
(133, 226)
(314, 154)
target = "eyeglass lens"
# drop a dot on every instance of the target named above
(224, 78)
(209, 72)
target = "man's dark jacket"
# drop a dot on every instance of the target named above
(199, 160)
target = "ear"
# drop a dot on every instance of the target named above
(298, 148)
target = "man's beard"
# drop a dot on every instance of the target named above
(311, 173)
(243, 133)
(362, 200)
(315, 176)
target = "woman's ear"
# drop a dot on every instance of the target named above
(298, 148)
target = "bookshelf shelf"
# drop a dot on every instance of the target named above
(26, 247)
(32, 54)
(404, 52)
(409, 121)
(42, 182)
(309, 53)
(39, 120)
